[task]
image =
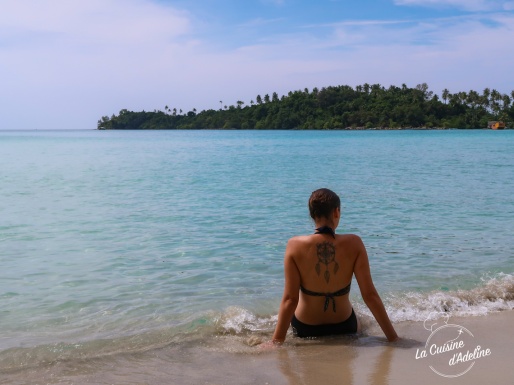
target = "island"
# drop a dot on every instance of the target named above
(336, 107)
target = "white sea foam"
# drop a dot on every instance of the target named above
(237, 320)
(494, 294)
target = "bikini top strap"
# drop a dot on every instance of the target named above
(325, 230)
(328, 296)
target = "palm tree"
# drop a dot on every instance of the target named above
(495, 105)
(473, 100)
(454, 99)
(506, 102)
(463, 96)
(446, 94)
(485, 98)
(375, 89)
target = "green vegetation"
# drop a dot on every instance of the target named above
(366, 106)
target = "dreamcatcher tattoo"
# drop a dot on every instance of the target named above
(326, 255)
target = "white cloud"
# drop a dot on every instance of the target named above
(64, 64)
(61, 55)
(469, 5)
(96, 21)
(452, 53)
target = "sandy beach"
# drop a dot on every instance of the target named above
(368, 359)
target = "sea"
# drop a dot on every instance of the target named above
(123, 243)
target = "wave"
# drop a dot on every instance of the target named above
(492, 295)
(237, 329)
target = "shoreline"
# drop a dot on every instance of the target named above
(225, 359)
(310, 129)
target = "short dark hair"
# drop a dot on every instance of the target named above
(322, 202)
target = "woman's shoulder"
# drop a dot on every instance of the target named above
(350, 239)
(299, 239)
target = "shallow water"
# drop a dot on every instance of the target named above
(120, 242)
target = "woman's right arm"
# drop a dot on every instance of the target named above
(369, 292)
(291, 294)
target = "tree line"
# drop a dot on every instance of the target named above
(336, 107)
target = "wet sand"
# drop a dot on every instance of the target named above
(344, 360)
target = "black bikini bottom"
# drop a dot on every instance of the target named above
(349, 326)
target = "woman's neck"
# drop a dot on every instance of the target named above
(319, 224)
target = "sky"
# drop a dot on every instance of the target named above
(66, 63)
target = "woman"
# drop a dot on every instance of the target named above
(318, 274)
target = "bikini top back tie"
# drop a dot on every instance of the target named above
(328, 296)
(325, 230)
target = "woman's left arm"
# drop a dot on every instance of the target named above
(291, 294)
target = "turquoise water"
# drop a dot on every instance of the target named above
(140, 237)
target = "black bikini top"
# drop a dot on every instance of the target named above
(328, 296)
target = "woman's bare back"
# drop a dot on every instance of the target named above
(326, 266)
